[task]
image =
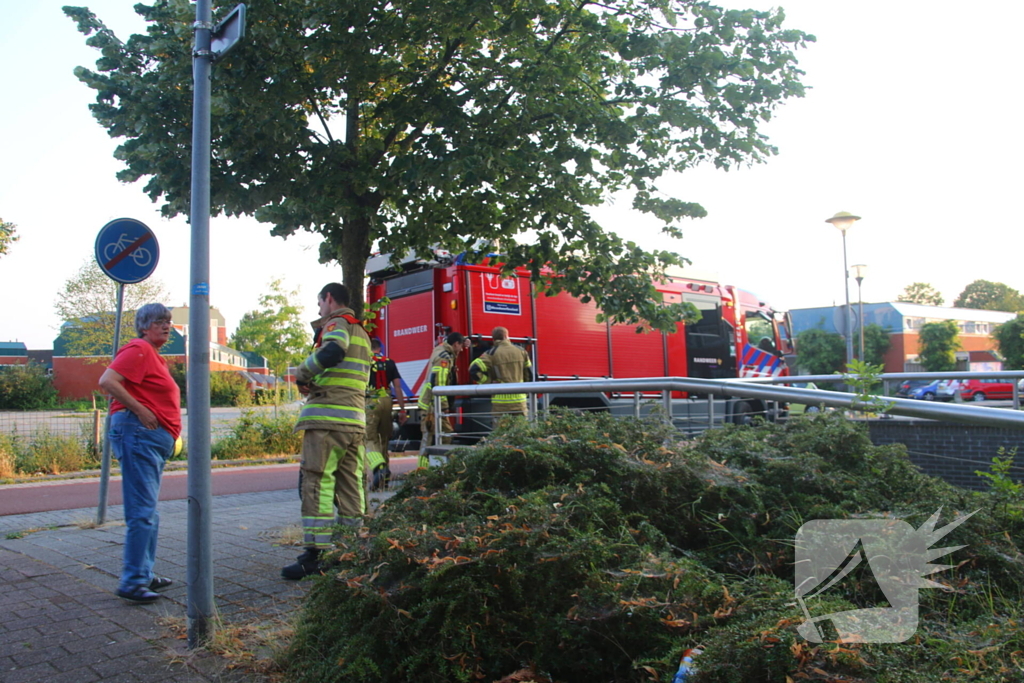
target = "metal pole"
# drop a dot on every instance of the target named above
(636, 404)
(101, 508)
(200, 604)
(860, 316)
(666, 401)
(849, 312)
(711, 411)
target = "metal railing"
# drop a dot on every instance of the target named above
(733, 388)
(886, 378)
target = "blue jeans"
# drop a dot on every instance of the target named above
(142, 453)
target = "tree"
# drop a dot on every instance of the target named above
(938, 344)
(8, 236)
(921, 293)
(876, 344)
(275, 330)
(990, 296)
(408, 125)
(1010, 338)
(820, 352)
(88, 305)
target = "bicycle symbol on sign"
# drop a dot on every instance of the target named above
(141, 255)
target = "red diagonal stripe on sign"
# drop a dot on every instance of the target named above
(127, 250)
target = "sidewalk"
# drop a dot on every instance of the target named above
(60, 620)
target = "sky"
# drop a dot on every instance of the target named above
(911, 121)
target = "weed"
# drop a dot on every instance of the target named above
(256, 435)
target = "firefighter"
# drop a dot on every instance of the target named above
(503, 363)
(384, 379)
(334, 379)
(442, 373)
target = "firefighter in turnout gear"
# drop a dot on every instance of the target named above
(503, 363)
(334, 379)
(442, 373)
(384, 379)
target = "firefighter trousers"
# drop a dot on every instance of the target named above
(331, 475)
(378, 431)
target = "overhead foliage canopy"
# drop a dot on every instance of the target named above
(405, 124)
(8, 236)
(990, 296)
(275, 330)
(921, 293)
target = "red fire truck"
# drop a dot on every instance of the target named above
(737, 335)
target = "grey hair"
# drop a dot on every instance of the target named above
(149, 314)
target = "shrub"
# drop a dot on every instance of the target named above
(53, 453)
(229, 389)
(257, 434)
(587, 548)
(8, 456)
(26, 387)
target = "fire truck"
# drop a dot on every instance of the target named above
(737, 335)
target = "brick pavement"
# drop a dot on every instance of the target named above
(59, 618)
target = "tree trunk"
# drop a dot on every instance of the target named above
(353, 254)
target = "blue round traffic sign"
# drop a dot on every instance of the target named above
(127, 251)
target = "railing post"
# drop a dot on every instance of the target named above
(711, 411)
(438, 421)
(666, 401)
(636, 404)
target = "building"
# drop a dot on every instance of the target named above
(903, 321)
(13, 353)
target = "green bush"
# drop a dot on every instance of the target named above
(229, 389)
(257, 434)
(50, 453)
(26, 387)
(587, 548)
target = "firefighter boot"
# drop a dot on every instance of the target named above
(381, 478)
(308, 564)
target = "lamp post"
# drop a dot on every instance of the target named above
(859, 271)
(844, 220)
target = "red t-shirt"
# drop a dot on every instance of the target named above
(149, 381)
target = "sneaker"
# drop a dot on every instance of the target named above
(308, 564)
(138, 594)
(159, 583)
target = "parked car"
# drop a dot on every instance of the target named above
(981, 389)
(908, 385)
(936, 390)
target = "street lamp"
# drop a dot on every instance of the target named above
(844, 220)
(859, 271)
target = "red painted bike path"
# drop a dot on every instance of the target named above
(71, 494)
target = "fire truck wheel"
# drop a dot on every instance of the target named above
(743, 414)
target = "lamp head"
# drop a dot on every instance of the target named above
(843, 220)
(860, 271)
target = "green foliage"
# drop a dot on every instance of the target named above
(990, 296)
(939, 342)
(88, 308)
(276, 330)
(586, 548)
(26, 387)
(921, 293)
(255, 435)
(820, 352)
(876, 344)
(8, 236)
(46, 453)
(229, 389)
(405, 125)
(1007, 491)
(1010, 338)
(865, 379)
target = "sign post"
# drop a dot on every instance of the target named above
(127, 251)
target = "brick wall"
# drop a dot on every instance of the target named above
(951, 451)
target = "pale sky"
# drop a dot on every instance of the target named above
(912, 121)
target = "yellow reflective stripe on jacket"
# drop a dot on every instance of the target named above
(508, 398)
